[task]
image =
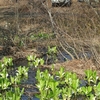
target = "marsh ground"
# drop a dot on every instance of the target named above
(75, 30)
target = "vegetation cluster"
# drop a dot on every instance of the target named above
(51, 84)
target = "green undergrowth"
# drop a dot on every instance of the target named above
(41, 35)
(62, 85)
(51, 84)
(9, 82)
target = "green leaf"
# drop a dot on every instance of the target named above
(87, 90)
(41, 61)
(97, 90)
(75, 84)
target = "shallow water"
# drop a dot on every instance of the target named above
(24, 97)
(29, 86)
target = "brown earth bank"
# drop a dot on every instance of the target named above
(76, 66)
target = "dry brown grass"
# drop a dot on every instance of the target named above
(77, 27)
(76, 66)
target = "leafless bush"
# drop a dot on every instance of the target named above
(77, 28)
(78, 31)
